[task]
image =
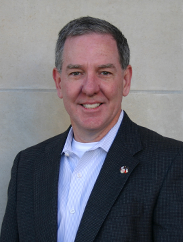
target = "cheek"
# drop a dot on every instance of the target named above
(67, 91)
(115, 92)
(71, 95)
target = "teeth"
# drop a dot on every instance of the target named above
(95, 105)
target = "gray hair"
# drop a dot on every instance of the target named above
(87, 25)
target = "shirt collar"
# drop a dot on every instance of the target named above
(105, 143)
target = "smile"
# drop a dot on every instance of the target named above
(95, 105)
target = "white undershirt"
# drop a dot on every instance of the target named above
(80, 148)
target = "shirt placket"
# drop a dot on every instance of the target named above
(74, 197)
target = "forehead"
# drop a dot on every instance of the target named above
(90, 47)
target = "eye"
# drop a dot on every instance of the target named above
(105, 73)
(75, 73)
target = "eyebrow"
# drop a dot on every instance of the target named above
(70, 66)
(106, 66)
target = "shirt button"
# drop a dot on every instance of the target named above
(72, 211)
(79, 175)
(66, 154)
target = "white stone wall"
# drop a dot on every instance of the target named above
(29, 108)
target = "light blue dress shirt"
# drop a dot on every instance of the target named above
(78, 173)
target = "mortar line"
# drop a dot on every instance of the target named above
(158, 91)
(54, 90)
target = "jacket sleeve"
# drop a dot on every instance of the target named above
(9, 230)
(168, 215)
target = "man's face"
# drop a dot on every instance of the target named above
(92, 84)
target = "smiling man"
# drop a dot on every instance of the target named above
(106, 178)
(92, 84)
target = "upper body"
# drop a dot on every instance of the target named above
(137, 195)
(144, 204)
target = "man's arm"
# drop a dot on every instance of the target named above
(9, 230)
(168, 215)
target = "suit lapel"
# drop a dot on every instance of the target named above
(110, 181)
(46, 190)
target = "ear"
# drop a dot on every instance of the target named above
(57, 79)
(127, 80)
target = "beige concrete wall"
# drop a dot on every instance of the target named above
(29, 108)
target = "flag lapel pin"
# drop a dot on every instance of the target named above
(124, 169)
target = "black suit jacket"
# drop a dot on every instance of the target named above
(143, 205)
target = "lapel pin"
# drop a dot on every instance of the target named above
(124, 169)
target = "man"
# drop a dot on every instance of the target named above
(105, 178)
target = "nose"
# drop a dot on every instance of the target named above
(90, 85)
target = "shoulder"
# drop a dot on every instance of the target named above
(148, 140)
(163, 150)
(38, 155)
(46, 145)
(152, 138)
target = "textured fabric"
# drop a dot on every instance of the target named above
(143, 205)
(76, 180)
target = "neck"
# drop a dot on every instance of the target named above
(92, 135)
